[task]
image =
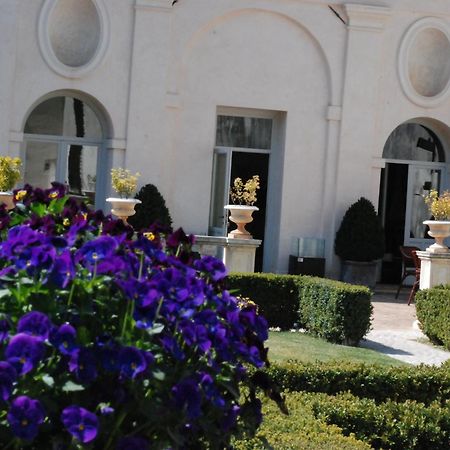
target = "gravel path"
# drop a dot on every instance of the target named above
(395, 330)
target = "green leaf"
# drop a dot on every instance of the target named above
(48, 380)
(156, 329)
(70, 386)
(159, 375)
(4, 293)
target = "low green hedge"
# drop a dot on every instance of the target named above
(433, 312)
(336, 311)
(390, 425)
(275, 295)
(299, 430)
(423, 383)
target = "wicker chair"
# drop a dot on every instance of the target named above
(408, 267)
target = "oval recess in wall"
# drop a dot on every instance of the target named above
(424, 62)
(73, 35)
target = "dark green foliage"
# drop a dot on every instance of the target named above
(360, 236)
(298, 431)
(390, 425)
(336, 311)
(152, 210)
(275, 295)
(423, 384)
(433, 312)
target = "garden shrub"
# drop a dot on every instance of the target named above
(299, 430)
(275, 295)
(336, 311)
(423, 383)
(390, 425)
(152, 210)
(433, 312)
(117, 340)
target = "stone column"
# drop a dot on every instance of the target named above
(434, 269)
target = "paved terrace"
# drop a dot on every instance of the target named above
(395, 331)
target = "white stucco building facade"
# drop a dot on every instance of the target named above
(327, 100)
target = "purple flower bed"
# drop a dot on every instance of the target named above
(116, 340)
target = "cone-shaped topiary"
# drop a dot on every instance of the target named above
(360, 236)
(152, 210)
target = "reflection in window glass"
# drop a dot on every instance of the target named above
(40, 163)
(244, 132)
(423, 181)
(81, 169)
(64, 116)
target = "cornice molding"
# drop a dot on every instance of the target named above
(366, 17)
(154, 5)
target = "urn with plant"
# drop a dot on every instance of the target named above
(9, 176)
(243, 198)
(125, 184)
(439, 228)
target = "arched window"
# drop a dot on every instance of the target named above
(63, 142)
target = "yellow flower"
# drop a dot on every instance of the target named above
(150, 236)
(124, 182)
(53, 194)
(438, 205)
(244, 193)
(66, 222)
(20, 195)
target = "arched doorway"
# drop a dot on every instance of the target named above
(64, 142)
(415, 163)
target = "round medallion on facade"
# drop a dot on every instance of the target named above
(424, 62)
(73, 35)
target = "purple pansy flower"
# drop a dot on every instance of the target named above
(212, 266)
(131, 362)
(63, 270)
(24, 352)
(8, 375)
(35, 323)
(80, 423)
(5, 326)
(98, 249)
(63, 338)
(25, 416)
(84, 363)
(186, 395)
(133, 443)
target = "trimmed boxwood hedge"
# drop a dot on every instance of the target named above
(390, 425)
(433, 312)
(336, 311)
(299, 430)
(423, 383)
(333, 310)
(275, 295)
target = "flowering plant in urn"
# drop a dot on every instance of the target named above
(244, 193)
(438, 205)
(112, 339)
(243, 196)
(439, 208)
(125, 184)
(9, 176)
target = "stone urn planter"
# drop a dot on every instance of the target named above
(241, 215)
(439, 230)
(123, 207)
(8, 199)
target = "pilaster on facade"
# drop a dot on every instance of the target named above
(154, 5)
(367, 17)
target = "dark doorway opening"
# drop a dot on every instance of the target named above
(245, 165)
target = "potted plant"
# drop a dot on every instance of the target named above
(152, 210)
(9, 176)
(125, 184)
(360, 243)
(243, 197)
(439, 207)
